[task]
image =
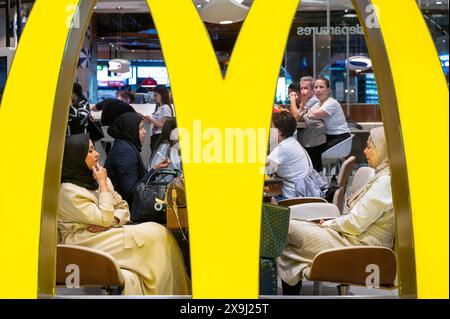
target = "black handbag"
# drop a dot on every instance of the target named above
(146, 207)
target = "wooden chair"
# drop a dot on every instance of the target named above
(301, 200)
(342, 182)
(353, 266)
(96, 268)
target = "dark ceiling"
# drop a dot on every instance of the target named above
(137, 31)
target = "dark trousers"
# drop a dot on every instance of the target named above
(332, 140)
(315, 153)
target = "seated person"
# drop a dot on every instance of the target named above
(369, 221)
(290, 161)
(92, 214)
(167, 146)
(124, 162)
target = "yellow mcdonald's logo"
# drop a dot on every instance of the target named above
(224, 197)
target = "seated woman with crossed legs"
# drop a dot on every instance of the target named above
(92, 214)
(369, 220)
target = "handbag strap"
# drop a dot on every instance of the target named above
(175, 210)
(163, 171)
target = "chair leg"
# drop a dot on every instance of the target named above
(317, 288)
(343, 290)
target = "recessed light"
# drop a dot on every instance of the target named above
(119, 8)
(226, 22)
(199, 5)
(438, 2)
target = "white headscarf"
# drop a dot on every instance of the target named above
(378, 141)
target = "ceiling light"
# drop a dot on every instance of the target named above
(119, 8)
(438, 2)
(226, 22)
(119, 66)
(359, 63)
(219, 11)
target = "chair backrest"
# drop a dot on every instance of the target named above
(342, 181)
(97, 268)
(339, 198)
(339, 150)
(350, 265)
(362, 176)
(346, 171)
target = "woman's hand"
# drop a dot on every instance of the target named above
(97, 229)
(164, 164)
(101, 176)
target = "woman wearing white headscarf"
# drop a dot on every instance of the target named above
(369, 220)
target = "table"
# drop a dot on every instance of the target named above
(274, 186)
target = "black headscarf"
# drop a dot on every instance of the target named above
(75, 169)
(112, 109)
(126, 127)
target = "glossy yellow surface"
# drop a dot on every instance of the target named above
(223, 193)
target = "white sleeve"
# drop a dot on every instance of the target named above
(367, 211)
(166, 111)
(330, 106)
(278, 155)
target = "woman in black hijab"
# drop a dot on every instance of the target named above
(75, 168)
(92, 214)
(124, 162)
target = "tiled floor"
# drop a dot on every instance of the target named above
(330, 289)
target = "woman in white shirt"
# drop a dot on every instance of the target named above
(290, 161)
(368, 220)
(163, 111)
(330, 111)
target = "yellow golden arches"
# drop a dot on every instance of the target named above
(224, 196)
(409, 63)
(20, 274)
(32, 128)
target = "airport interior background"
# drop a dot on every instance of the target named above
(124, 30)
